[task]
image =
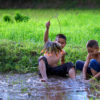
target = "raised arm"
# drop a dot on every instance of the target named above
(46, 32)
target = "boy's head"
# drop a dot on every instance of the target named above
(61, 38)
(92, 46)
(52, 47)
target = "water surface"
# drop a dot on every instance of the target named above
(29, 87)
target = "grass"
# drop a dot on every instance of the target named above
(79, 26)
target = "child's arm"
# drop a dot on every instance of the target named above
(47, 31)
(85, 68)
(86, 65)
(42, 69)
(63, 57)
(94, 77)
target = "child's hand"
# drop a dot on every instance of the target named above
(89, 56)
(48, 24)
(86, 81)
(89, 81)
(84, 77)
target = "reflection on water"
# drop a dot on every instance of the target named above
(28, 87)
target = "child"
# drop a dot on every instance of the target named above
(48, 64)
(92, 64)
(60, 38)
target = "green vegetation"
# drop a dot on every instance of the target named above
(21, 42)
(7, 18)
(18, 57)
(20, 18)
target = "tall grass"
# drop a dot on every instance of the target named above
(79, 26)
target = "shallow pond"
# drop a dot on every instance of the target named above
(29, 87)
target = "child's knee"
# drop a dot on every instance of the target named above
(79, 65)
(93, 61)
(94, 65)
(70, 66)
(72, 72)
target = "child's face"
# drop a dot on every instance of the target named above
(92, 50)
(61, 41)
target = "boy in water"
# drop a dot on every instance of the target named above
(48, 64)
(92, 64)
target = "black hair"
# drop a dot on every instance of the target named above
(92, 44)
(61, 36)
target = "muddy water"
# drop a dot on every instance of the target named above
(29, 87)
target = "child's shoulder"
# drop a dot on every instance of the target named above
(63, 52)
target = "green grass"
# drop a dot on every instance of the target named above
(79, 26)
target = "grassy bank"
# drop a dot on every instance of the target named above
(22, 57)
(21, 42)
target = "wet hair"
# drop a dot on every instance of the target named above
(52, 47)
(61, 36)
(92, 44)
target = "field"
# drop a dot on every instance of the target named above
(21, 42)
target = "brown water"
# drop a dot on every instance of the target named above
(29, 87)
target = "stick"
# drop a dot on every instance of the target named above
(57, 20)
